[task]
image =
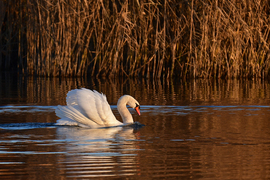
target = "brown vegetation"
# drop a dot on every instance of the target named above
(188, 38)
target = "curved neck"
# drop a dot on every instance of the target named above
(123, 110)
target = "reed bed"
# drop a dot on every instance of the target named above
(147, 38)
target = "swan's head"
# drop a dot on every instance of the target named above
(131, 102)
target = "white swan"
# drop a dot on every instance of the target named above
(91, 109)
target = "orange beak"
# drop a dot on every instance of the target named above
(138, 110)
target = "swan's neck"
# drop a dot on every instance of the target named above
(123, 110)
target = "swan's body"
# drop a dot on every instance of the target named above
(91, 109)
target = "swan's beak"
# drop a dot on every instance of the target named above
(137, 108)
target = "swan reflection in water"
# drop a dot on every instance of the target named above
(99, 152)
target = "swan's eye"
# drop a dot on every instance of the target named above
(137, 105)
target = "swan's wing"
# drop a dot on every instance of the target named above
(87, 104)
(93, 105)
(66, 122)
(105, 111)
(72, 97)
(70, 112)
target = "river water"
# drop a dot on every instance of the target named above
(197, 129)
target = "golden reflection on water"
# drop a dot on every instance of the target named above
(52, 91)
(208, 143)
(197, 129)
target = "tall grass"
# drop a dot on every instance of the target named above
(186, 39)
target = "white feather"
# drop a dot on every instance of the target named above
(75, 115)
(66, 122)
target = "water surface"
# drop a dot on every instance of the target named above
(194, 130)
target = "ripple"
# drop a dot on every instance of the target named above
(145, 108)
(23, 126)
(26, 109)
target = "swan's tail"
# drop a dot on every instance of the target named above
(70, 112)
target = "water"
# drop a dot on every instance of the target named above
(193, 130)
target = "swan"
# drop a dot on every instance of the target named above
(89, 108)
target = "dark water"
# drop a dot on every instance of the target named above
(194, 130)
